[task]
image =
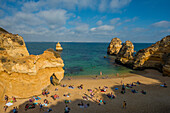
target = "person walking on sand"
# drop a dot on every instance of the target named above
(6, 98)
(67, 109)
(15, 110)
(5, 108)
(41, 107)
(101, 73)
(124, 104)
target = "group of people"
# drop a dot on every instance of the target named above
(12, 101)
(82, 105)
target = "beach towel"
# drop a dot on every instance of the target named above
(37, 98)
(127, 88)
(36, 103)
(116, 88)
(9, 104)
(44, 104)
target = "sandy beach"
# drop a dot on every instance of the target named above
(156, 99)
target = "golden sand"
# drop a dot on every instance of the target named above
(156, 100)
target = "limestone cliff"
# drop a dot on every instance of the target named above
(166, 67)
(125, 55)
(157, 56)
(154, 56)
(23, 75)
(114, 46)
(13, 45)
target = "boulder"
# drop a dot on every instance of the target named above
(114, 46)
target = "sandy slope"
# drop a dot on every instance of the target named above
(157, 99)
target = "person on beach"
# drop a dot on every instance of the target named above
(41, 107)
(101, 73)
(124, 104)
(165, 85)
(6, 98)
(117, 74)
(5, 108)
(14, 99)
(67, 109)
(123, 89)
(15, 110)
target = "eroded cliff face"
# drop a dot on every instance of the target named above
(114, 46)
(23, 75)
(125, 55)
(13, 45)
(166, 67)
(153, 56)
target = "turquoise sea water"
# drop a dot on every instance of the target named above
(84, 58)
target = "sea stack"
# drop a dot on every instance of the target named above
(58, 47)
(114, 46)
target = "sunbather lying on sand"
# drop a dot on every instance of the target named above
(143, 92)
(164, 85)
(104, 89)
(55, 96)
(67, 95)
(134, 91)
(46, 101)
(71, 86)
(100, 101)
(85, 98)
(111, 96)
(83, 105)
(45, 92)
(64, 85)
(81, 86)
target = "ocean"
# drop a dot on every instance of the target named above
(84, 58)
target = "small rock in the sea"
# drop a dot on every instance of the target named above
(104, 56)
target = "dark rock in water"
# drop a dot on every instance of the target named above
(105, 57)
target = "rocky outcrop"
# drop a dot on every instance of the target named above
(154, 56)
(23, 75)
(13, 45)
(58, 47)
(157, 56)
(125, 55)
(114, 46)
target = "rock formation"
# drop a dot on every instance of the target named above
(23, 75)
(156, 56)
(166, 67)
(114, 46)
(58, 47)
(13, 45)
(125, 55)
